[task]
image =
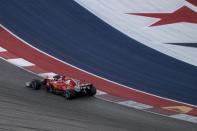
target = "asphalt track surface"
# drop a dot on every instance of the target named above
(22, 108)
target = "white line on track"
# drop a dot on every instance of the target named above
(185, 117)
(99, 92)
(48, 74)
(20, 62)
(2, 49)
(135, 105)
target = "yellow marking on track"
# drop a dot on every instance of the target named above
(179, 109)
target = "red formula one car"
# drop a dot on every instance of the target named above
(65, 86)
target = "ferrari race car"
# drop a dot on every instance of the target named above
(65, 86)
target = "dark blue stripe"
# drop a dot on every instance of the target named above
(194, 45)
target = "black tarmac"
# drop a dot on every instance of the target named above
(24, 109)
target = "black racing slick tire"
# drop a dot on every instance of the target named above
(92, 91)
(36, 84)
(69, 94)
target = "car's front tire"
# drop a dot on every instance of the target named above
(36, 84)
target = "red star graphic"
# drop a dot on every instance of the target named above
(183, 14)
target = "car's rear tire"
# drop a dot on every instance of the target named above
(36, 84)
(69, 94)
(92, 91)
